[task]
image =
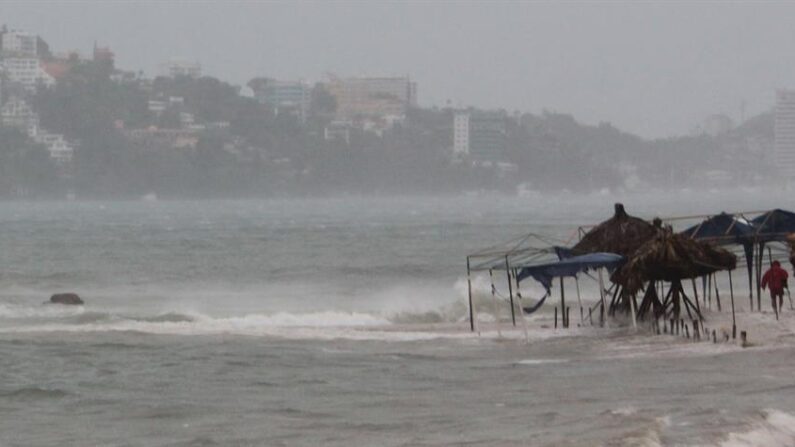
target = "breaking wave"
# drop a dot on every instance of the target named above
(774, 428)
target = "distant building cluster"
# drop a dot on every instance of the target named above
(293, 97)
(360, 99)
(373, 104)
(21, 61)
(25, 64)
(175, 68)
(17, 113)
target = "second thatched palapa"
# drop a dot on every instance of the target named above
(672, 257)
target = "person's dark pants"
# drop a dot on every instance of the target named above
(780, 295)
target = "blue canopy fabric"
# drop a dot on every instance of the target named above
(774, 225)
(724, 229)
(721, 229)
(544, 273)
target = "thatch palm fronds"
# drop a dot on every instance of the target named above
(621, 234)
(672, 257)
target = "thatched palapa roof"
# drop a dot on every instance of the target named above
(670, 257)
(621, 234)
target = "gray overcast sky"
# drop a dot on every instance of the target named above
(652, 69)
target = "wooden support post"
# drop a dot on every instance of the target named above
(695, 293)
(495, 307)
(687, 332)
(590, 315)
(731, 296)
(568, 319)
(556, 317)
(714, 336)
(743, 339)
(602, 315)
(510, 291)
(634, 312)
(709, 292)
(563, 304)
(471, 305)
(582, 316)
(750, 284)
(521, 311)
(759, 278)
(696, 332)
(579, 300)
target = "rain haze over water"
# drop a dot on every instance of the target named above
(267, 208)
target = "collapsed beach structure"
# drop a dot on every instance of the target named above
(630, 258)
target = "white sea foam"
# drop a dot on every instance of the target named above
(319, 325)
(624, 411)
(777, 429)
(309, 325)
(15, 311)
(540, 361)
(647, 434)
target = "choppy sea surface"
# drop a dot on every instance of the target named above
(342, 322)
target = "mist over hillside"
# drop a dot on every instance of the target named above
(81, 127)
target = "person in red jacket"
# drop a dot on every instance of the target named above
(776, 279)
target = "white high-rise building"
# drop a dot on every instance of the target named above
(19, 43)
(480, 135)
(461, 133)
(784, 145)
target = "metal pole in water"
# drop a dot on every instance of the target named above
(496, 309)
(602, 297)
(521, 311)
(579, 300)
(471, 307)
(709, 292)
(734, 318)
(563, 304)
(510, 291)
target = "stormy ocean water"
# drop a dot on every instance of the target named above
(341, 322)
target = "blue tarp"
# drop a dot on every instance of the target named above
(544, 273)
(723, 229)
(726, 229)
(774, 225)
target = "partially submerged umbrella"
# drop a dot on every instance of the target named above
(670, 257)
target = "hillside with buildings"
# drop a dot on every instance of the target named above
(75, 125)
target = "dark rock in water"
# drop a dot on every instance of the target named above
(66, 298)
